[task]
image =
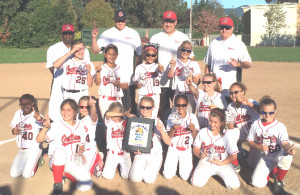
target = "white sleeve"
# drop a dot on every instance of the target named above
(137, 73)
(138, 44)
(244, 53)
(195, 122)
(87, 55)
(93, 71)
(208, 57)
(15, 120)
(50, 135)
(231, 144)
(251, 135)
(50, 60)
(198, 139)
(196, 67)
(283, 134)
(103, 40)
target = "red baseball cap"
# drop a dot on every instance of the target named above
(169, 15)
(226, 21)
(67, 28)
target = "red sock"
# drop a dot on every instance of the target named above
(95, 163)
(280, 174)
(235, 162)
(58, 172)
(275, 170)
(70, 177)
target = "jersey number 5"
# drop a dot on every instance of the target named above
(80, 79)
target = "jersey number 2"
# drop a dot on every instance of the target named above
(80, 79)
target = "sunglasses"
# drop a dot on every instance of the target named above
(146, 107)
(82, 107)
(225, 27)
(234, 92)
(265, 113)
(67, 33)
(186, 50)
(169, 21)
(207, 82)
(153, 55)
(180, 105)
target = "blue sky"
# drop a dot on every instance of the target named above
(235, 3)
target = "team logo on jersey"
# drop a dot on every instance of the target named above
(182, 131)
(217, 149)
(117, 133)
(24, 126)
(242, 118)
(81, 69)
(71, 139)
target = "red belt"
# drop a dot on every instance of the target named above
(149, 95)
(111, 98)
(180, 148)
(185, 92)
(119, 153)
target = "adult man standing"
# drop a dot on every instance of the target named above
(55, 52)
(128, 42)
(169, 41)
(225, 55)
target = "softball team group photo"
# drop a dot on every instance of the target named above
(202, 118)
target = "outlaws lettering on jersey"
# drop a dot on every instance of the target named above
(219, 149)
(81, 69)
(106, 80)
(180, 71)
(203, 107)
(71, 139)
(25, 126)
(242, 118)
(119, 132)
(259, 139)
(182, 131)
(149, 75)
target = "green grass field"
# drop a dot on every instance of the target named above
(270, 54)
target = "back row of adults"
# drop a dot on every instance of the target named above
(225, 55)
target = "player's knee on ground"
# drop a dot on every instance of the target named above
(108, 174)
(27, 174)
(84, 185)
(135, 178)
(259, 183)
(285, 162)
(150, 179)
(15, 173)
(232, 184)
(168, 175)
(198, 182)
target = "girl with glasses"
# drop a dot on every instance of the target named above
(147, 76)
(216, 150)
(182, 128)
(88, 116)
(26, 125)
(182, 68)
(270, 137)
(145, 167)
(207, 98)
(242, 112)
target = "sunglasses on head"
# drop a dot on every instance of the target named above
(234, 92)
(148, 55)
(265, 113)
(146, 107)
(82, 107)
(206, 82)
(180, 105)
(186, 50)
(225, 27)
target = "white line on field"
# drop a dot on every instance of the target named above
(5, 141)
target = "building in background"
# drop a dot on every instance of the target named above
(255, 33)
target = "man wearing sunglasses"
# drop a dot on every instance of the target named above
(55, 52)
(169, 40)
(128, 42)
(226, 56)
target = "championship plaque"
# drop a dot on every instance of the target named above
(138, 134)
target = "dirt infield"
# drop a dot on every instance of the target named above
(280, 80)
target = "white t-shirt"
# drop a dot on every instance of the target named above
(90, 130)
(181, 71)
(275, 131)
(108, 76)
(149, 74)
(168, 48)
(30, 127)
(67, 137)
(75, 74)
(218, 56)
(203, 103)
(114, 134)
(221, 145)
(183, 135)
(128, 41)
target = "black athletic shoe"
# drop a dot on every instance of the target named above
(278, 188)
(57, 189)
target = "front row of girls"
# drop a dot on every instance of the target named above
(214, 145)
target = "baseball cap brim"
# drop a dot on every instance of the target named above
(68, 31)
(169, 19)
(225, 25)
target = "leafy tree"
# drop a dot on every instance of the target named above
(237, 21)
(208, 5)
(275, 20)
(99, 11)
(39, 23)
(207, 22)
